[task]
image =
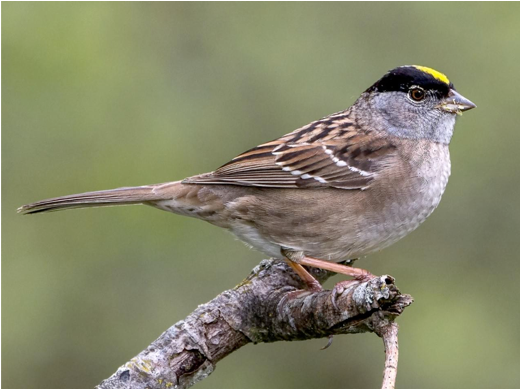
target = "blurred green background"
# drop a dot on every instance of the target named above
(103, 95)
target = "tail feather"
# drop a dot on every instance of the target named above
(120, 196)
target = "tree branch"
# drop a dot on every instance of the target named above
(265, 307)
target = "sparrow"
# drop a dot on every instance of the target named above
(337, 189)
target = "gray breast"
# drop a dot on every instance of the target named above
(409, 205)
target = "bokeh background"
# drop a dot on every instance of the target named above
(103, 95)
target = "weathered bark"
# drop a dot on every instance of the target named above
(265, 307)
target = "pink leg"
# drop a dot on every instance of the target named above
(360, 275)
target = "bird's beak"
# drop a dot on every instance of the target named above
(455, 103)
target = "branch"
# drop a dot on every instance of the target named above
(265, 307)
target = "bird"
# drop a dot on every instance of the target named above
(337, 189)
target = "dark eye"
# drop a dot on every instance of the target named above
(417, 94)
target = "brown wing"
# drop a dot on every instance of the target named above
(331, 152)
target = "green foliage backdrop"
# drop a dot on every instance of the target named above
(102, 95)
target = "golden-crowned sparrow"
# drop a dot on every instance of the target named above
(338, 188)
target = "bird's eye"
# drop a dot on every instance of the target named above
(417, 94)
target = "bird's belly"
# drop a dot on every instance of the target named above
(338, 241)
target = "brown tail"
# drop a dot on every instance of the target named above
(120, 196)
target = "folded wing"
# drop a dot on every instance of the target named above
(331, 152)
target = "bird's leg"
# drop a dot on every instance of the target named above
(312, 283)
(357, 273)
(297, 257)
(360, 275)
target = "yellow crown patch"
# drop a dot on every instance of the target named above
(437, 75)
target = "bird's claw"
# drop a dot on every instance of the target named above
(341, 286)
(289, 296)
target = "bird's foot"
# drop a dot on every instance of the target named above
(341, 286)
(291, 296)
